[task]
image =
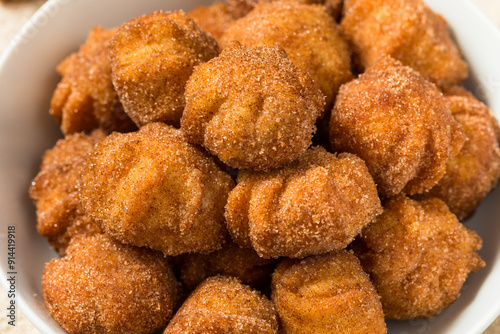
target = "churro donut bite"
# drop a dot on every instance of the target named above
(152, 56)
(85, 98)
(213, 19)
(399, 124)
(151, 188)
(418, 256)
(309, 35)
(223, 305)
(328, 293)
(474, 172)
(54, 190)
(231, 260)
(407, 30)
(240, 8)
(103, 286)
(251, 107)
(316, 204)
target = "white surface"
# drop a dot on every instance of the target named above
(27, 79)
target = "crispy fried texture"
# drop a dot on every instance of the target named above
(326, 294)
(251, 107)
(399, 124)
(475, 171)
(151, 188)
(231, 260)
(407, 30)
(85, 98)
(55, 191)
(152, 56)
(310, 36)
(102, 286)
(213, 19)
(316, 204)
(223, 305)
(418, 256)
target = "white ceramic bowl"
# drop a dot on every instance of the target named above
(28, 77)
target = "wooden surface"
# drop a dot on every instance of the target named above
(14, 15)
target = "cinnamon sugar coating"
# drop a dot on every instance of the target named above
(251, 107)
(152, 56)
(475, 171)
(85, 98)
(232, 260)
(309, 35)
(407, 30)
(418, 256)
(223, 305)
(54, 190)
(213, 19)
(334, 8)
(316, 204)
(329, 293)
(102, 286)
(399, 124)
(151, 188)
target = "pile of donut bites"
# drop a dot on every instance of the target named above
(257, 167)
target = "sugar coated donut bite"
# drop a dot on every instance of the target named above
(418, 256)
(251, 107)
(103, 286)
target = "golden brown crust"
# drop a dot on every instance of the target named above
(314, 205)
(407, 30)
(231, 260)
(309, 35)
(399, 124)
(214, 19)
(151, 188)
(223, 305)
(475, 171)
(102, 286)
(326, 294)
(85, 97)
(418, 256)
(252, 108)
(152, 56)
(55, 191)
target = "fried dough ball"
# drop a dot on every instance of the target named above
(316, 204)
(151, 188)
(252, 108)
(55, 191)
(407, 30)
(213, 19)
(475, 171)
(223, 305)
(102, 286)
(399, 124)
(310, 36)
(152, 56)
(231, 260)
(326, 294)
(418, 256)
(85, 98)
